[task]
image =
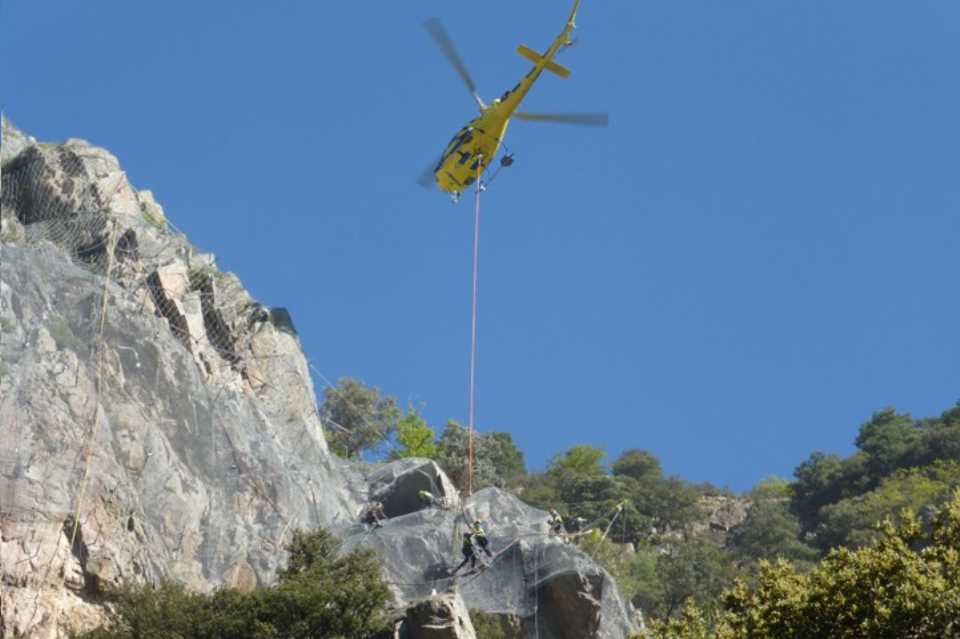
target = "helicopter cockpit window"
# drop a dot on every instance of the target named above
(465, 156)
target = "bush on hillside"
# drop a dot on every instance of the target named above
(322, 593)
(904, 584)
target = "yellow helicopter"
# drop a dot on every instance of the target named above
(475, 146)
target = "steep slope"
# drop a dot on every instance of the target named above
(157, 422)
(158, 419)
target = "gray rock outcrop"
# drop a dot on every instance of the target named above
(720, 515)
(440, 617)
(158, 422)
(397, 486)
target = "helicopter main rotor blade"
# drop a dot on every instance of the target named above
(581, 119)
(439, 34)
(428, 179)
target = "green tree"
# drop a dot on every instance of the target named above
(654, 508)
(498, 462)
(639, 464)
(692, 569)
(904, 584)
(772, 487)
(540, 491)
(414, 437)
(505, 457)
(323, 592)
(939, 439)
(852, 521)
(887, 439)
(308, 550)
(577, 485)
(770, 530)
(357, 417)
(592, 498)
(579, 461)
(825, 479)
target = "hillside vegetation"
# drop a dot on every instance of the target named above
(321, 593)
(686, 574)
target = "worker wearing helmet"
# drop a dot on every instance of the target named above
(469, 553)
(481, 538)
(373, 514)
(556, 522)
(429, 500)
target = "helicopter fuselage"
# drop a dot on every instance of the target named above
(475, 146)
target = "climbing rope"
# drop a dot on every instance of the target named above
(618, 511)
(87, 453)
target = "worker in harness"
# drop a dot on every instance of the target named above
(579, 524)
(556, 523)
(469, 553)
(373, 514)
(481, 538)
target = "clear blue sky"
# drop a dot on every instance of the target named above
(759, 252)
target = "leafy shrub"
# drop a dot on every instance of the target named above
(321, 593)
(906, 584)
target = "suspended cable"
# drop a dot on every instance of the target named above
(472, 412)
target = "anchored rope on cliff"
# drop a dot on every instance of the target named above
(87, 451)
(97, 385)
(103, 241)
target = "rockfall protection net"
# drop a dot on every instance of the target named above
(157, 421)
(145, 397)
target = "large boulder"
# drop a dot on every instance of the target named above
(440, 617)
(557, 590)
(397, 486)
(575, 600)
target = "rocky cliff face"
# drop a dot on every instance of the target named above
(157, 422)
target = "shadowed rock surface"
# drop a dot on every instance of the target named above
(158, 422)
(397, 486)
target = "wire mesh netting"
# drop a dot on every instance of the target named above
(158, 422)
(146, 399)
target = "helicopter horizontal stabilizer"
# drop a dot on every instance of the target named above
(549, 65)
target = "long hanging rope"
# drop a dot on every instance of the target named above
(536, 590)
(473, 331)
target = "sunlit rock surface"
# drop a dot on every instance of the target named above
(158, 422)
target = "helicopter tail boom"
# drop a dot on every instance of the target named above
(538, 59)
